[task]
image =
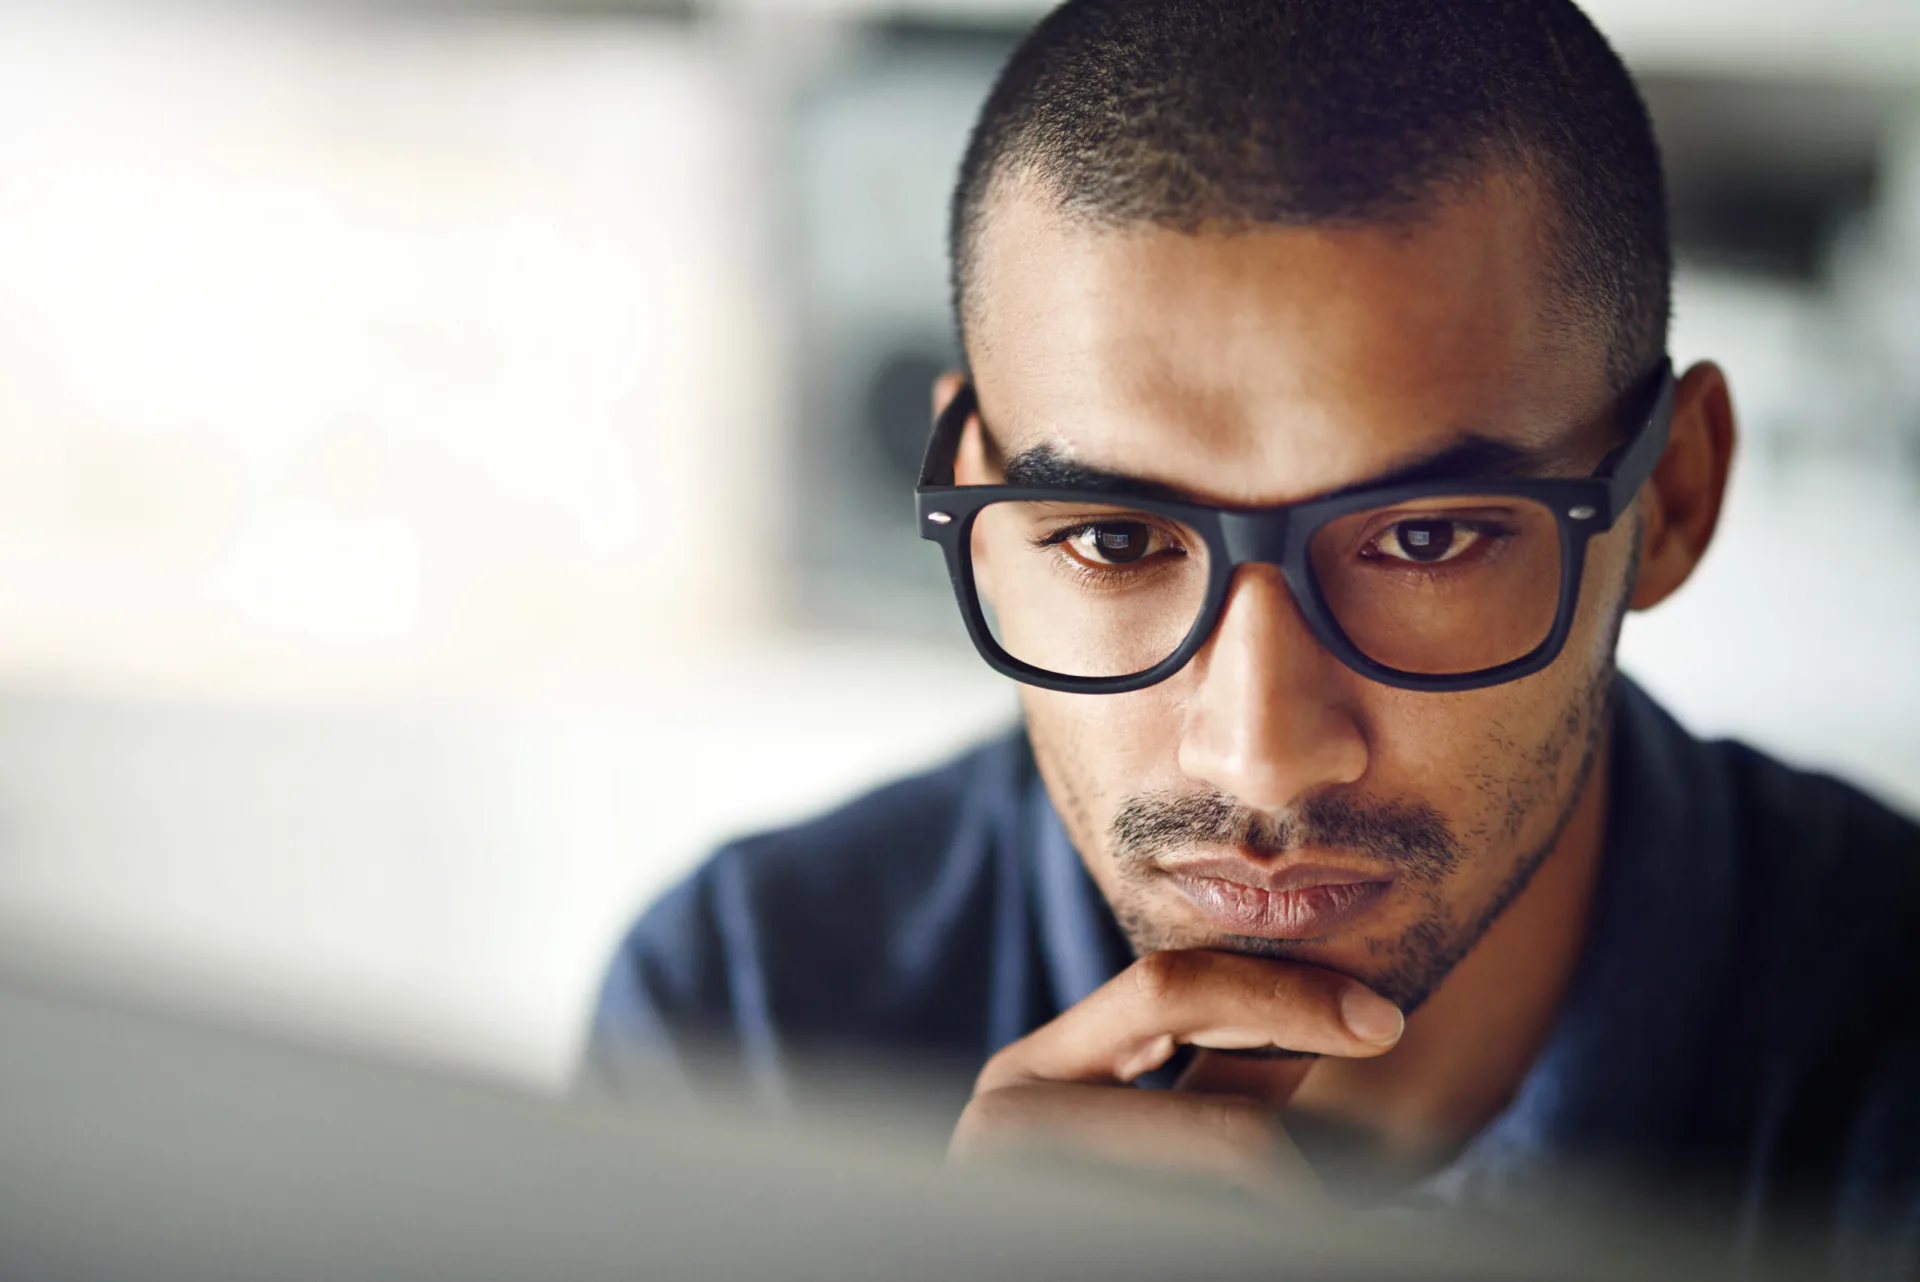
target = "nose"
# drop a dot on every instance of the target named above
(1266, 724)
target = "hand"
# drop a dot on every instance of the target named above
(1065, 1087)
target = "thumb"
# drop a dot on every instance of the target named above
(1269, 1079)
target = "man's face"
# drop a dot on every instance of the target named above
(1267, 798)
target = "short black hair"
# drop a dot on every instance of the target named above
(1191, 113)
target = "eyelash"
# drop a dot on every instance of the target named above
(1492, 532)
(1479, 525)
(1099, 572)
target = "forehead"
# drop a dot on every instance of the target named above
(1264, 365)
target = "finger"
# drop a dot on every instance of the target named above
(1216, 1135)
(1203, 998)
(1270, 1081)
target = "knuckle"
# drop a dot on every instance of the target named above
(990, 1116)
(1291, 985)
(1161, 978)
(1000, 1068)
(1238, 1124)
(1309, 994)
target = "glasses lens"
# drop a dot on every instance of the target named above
(1085, 590)
(1442, 586)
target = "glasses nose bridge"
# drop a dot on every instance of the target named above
(1255, 536)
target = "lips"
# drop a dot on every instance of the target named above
(1301, 901)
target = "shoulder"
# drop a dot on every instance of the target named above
(1805, 877)
(1815, 873)
(1829, 875)
(1826, 995)
(849, 879)
(863, 924)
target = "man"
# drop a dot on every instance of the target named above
(1317, 433)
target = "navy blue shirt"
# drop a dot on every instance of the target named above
(1742, 1024)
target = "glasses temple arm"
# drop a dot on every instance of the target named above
(1628, 467)
(937, 467)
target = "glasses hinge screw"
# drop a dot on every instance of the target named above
(940, 518)
(1580, 513)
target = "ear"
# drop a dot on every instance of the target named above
(945, 388)
(971, 465)
(1680, 505)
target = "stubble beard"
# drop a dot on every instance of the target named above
(1414, 838)
(1416, 841)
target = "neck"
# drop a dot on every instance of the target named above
(1467, 1048)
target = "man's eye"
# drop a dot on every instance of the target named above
(1424, 542)
(1115, 542)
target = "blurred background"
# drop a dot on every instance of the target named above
(455, 462)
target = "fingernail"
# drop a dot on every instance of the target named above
(1149, 1057)
(1371, 1017)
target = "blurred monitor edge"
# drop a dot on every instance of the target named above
(139, 1146)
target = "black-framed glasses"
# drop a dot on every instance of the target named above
(1422, 585)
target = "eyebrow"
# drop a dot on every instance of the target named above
(1470, 457)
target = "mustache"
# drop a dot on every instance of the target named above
(1413, 837)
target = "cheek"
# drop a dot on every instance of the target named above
(1497, 763)
(1095, 751)
(1434, 748)
(1497, 748)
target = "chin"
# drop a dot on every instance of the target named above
(1402, 960)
